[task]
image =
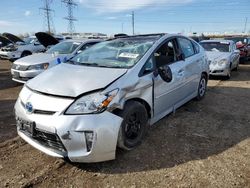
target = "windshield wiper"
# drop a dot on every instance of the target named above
(89, 64)
(71, 62)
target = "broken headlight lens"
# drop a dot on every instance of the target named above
(42, 66)
(93, 103)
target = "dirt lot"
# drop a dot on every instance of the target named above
(204, 144)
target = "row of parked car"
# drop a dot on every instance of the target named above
(101, 95)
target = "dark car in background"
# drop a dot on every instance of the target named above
(243, 44)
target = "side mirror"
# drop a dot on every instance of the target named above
(165, 73)
(180, 55)
(79, 51)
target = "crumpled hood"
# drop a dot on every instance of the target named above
(73, 80)
(217, 55)
(39, 58)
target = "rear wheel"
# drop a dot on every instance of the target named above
(134, 125)
(202, 87)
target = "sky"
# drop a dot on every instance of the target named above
(114, 16)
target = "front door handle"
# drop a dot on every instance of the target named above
(180, 73)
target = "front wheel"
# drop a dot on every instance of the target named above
(134, 125)
(229, 74)
(202, 87)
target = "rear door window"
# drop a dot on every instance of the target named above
(186, 47)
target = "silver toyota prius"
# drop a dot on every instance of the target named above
(108, 95)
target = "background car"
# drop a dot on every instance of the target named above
(243, 44)
(223, 56)
(28, 67)
(20, 48)
(107, 95)
(4, 41)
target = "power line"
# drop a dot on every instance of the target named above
(70, 4)
(133, 22)
(48, 22)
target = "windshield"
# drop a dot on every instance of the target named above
(216, 46)
(64, 47)
(118, 53)
(29, 40)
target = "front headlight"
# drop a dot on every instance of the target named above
(42, 66)
(93, 103)
(222, 62)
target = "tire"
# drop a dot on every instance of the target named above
(236, 68)
(134, 125)
(202, 87)
(229, 74)
(25, 53)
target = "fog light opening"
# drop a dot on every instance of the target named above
(89, 136)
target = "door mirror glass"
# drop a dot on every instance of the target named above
(79, 51)
(165, 73)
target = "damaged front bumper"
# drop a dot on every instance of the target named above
(10, 55)
(216, 70)
(24, 76)
(80, 138)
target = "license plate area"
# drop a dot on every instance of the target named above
(27, 127)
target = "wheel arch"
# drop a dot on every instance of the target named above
(141, 101)
(205, 74)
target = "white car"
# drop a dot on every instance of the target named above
(109, 94)
(28, 67)
(20, 48)
(223, 56)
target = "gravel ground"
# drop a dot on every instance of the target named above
(204, 144)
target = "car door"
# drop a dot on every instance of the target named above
(192, 66)
(167, 94)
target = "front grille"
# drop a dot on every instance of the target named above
(44, 112)
(20, 67)
(49, 140)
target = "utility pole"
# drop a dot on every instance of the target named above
(70, 4)
(245, 27)
(133, 22)
(47, 15)
(122, 27)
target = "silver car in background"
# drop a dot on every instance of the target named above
(223, 56)
(30, 66)
(109, 94)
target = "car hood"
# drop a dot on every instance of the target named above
(46, 39)
(217, 55)
(5, 41)
(39, 58)
(73, 80)
(12, 37)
